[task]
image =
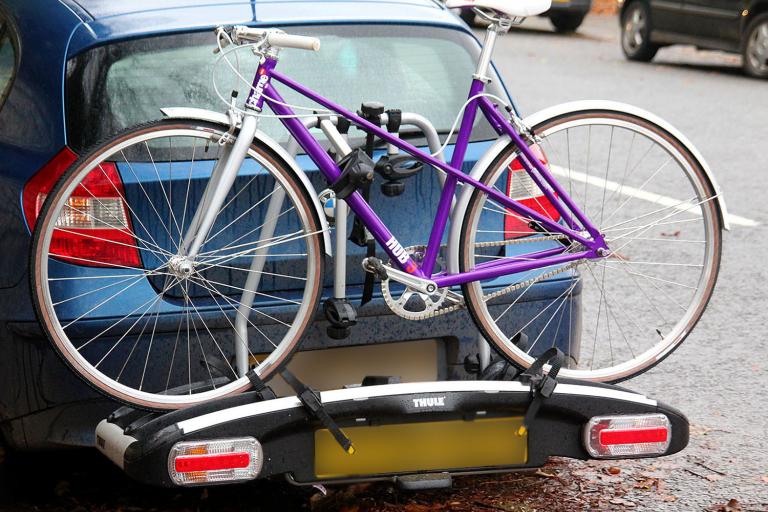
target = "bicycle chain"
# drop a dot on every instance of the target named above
(393, 306)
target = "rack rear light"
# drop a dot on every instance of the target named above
(642, 435)
(215, 461)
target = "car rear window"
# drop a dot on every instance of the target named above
(426, 70)
(7, 58)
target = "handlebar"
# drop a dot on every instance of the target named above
(274, 37)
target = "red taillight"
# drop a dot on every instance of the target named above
(42, 182)
(631, 436)
(523, 189)
(216, 462)
(93, 228)
(607, 437)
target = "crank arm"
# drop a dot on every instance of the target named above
(415, 283)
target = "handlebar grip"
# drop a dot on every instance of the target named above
(293, 41)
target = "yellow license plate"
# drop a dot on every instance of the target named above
(426, 446)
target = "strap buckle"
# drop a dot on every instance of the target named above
(542, 384)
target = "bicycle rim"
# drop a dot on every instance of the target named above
(151, 329)
(618, 316)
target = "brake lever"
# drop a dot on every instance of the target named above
(227, 30)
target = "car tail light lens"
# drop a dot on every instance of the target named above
(627, 436)
(215, 461)
(524, 190)
(93, 228)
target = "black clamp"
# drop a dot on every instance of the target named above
(394, 120)
(542, 385)
(394, 169)
(341, 315)
(342, 125)
(259, 386)
(357, 172)
(311, 401)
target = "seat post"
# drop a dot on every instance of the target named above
(497, 26)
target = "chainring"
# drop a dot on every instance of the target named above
(412, 304)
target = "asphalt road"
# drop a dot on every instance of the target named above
(719, 376)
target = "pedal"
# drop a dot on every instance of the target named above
(342, 317)
(375, 266)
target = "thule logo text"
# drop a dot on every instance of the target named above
(437, 401)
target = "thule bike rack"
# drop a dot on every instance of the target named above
(417, 434)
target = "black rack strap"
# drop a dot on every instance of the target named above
(259, 386)
(311, 400)
(542, 385)
(371, 111)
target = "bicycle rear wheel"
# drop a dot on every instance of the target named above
(129, 312)
(617, 316)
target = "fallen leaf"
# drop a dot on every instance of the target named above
(647, 484)
(733, 505)
(613, 470)
(623, 502)
(416, 507)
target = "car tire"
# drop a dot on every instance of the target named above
(755, 47)
(566, 23)
(635, 33)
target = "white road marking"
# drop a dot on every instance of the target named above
(643, 194)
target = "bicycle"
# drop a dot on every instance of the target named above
(636, 266)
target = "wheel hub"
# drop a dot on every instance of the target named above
(181, 267)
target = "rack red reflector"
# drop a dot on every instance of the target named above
(215, 461)
(190, 463)
(632, 435)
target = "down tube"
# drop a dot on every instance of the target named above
(332, 172)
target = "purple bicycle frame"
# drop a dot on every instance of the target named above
(263, 92)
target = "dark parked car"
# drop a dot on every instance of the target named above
(738, 26)
(75, 71)
(565, 15)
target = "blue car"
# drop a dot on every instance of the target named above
(73, 73)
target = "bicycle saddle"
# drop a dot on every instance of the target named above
(512, 8)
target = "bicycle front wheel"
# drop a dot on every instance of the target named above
(617, 316)
(125, 306)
